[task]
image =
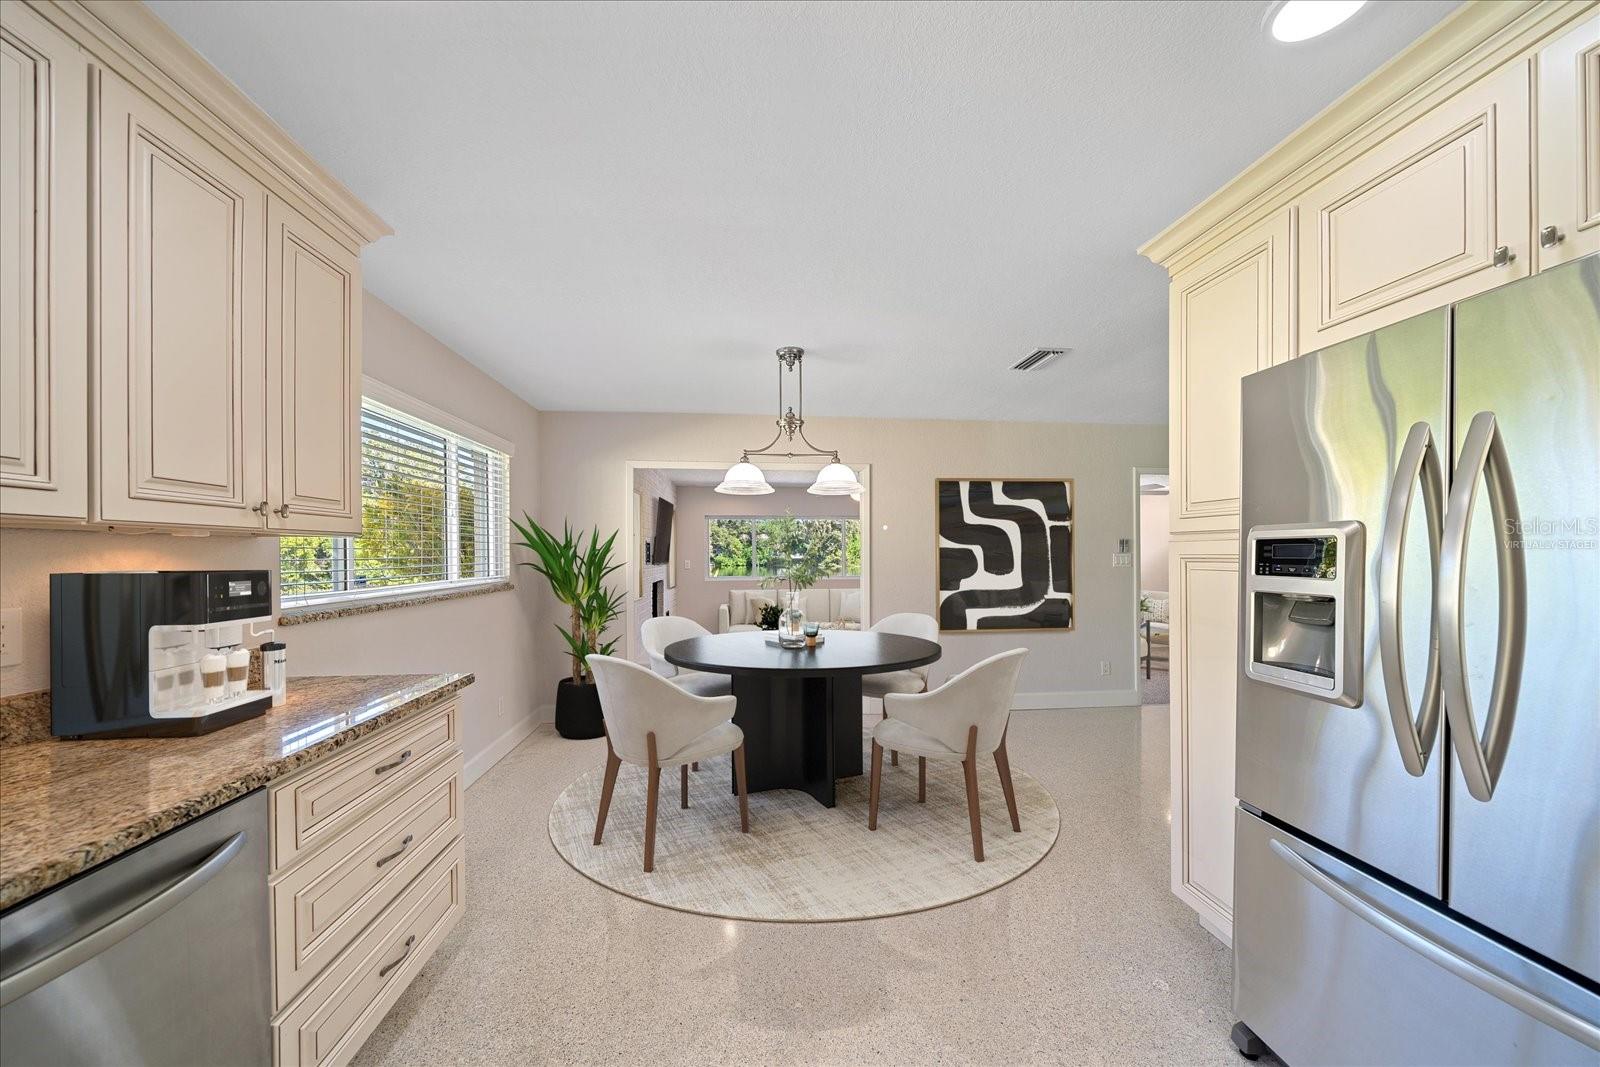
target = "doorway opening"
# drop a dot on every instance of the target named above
(1153, 640)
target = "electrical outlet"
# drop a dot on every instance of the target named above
(11, 637)
(1105, 668)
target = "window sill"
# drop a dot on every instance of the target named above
(339, 609)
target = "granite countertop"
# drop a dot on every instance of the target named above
(66, 806)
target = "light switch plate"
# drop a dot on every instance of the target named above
(11, 637)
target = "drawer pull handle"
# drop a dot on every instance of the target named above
(405, 843)
(1549, 237)
(383, 972)
(387, 767)
(1502, 256)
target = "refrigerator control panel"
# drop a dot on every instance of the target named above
(1303, 609)
(1298, 557)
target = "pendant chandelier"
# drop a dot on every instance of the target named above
(744, 478)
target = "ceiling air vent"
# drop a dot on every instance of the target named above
(1036, 359)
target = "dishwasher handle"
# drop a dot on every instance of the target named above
(101, 938)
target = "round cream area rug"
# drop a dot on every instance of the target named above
(802, 862)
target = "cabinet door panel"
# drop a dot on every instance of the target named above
(1205, 584)
(1230, 317)
(181, 358)
(43, 271)
(1415, 223)
(314, 379)
(1569, 144)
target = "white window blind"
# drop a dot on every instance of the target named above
(434, 509)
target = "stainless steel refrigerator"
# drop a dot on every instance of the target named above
(1417, 859)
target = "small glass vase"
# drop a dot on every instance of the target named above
(792, 623)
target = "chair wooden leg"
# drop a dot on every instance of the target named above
(922, 779)
(744, 797)
(894, 754)
(875, 787)
(683, 777)
(1002, 763)
(652, 792)
(970, 765)
(613, 764)
(695, 766)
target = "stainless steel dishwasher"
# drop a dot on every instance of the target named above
(159, 957)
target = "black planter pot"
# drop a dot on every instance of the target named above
(578, 711)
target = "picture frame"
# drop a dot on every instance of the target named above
(1004, 554)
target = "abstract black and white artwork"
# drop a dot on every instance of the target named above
(1005, 554)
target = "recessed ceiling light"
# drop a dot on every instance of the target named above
(1301, 20)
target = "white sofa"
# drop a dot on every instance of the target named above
(832, 609)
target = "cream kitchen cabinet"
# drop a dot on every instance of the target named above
(180, 354)
(44, 367)
(1435, 213)
(1568, 213)
(1231, 315)
(313, 377)
(181, 305)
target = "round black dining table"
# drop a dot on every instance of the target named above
(800, 709)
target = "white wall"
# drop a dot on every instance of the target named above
(1153, 541)
(493, 635)
(653, 487)
(698, 593)
(582, 459)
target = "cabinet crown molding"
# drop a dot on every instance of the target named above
(1466, 45)
(129, 36)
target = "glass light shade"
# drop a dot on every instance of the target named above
(744, 479)
(835, 479)
(1301, 20)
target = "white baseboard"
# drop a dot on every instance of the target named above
(1082, 698)
(499, 748)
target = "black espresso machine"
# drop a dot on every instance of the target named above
(154, 653)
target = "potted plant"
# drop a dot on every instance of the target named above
(576, 569)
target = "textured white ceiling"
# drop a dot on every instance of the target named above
(629, 206)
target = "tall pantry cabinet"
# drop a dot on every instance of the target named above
(181, 320)
(1470, 160)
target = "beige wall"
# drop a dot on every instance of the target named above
(699, 593)
(582, 458)
(1153, 539)
(492, 636)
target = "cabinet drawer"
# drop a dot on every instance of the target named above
(329, 1023)
(1416, 223)
(308, 809)
(322, 904)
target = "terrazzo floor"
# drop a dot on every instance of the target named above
(1087, 959)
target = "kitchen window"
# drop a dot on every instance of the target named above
(764, 546)
(434, 503)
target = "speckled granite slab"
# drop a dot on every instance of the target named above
(25, 718)
(66, 806)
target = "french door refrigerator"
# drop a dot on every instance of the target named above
(1417, 857)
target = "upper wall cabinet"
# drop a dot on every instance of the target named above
(314, 377)
(44, 473)
(1230, 316)
(180, 290)
(1568, 215)
(180, 358)
(1435, 213)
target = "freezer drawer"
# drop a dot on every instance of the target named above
(1332, 966)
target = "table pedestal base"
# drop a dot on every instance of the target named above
(799, 732)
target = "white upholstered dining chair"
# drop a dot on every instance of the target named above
(964, 718)
(656, 634)
(652, 723)
(913, 680)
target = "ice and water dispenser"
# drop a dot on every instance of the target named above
(1303, 608)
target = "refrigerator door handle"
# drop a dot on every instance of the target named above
(1483, 456)
(1419, 461)
(1385, 920)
